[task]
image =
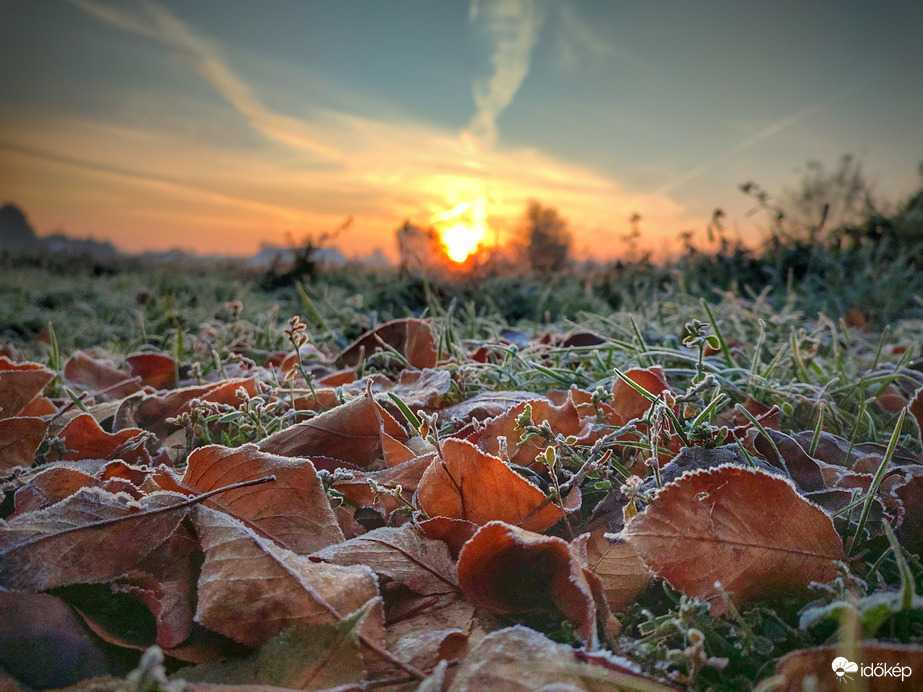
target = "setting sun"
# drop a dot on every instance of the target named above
(460, 241)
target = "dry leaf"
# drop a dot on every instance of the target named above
(349, 432)
(621, 572)
(518, 659)
(627, 403)
(55, 483)
(412, 338)
(20, 439)
(506, 570)
(43, 644)
(473, 485)
(746, 529)
(84, 438)
(293, 511)
(916, 409)
(454, 532)
(563, 419)
(250, 589)
(90, 537)
(153, 369)
(93, 371)
(20, 383)
(405, 555)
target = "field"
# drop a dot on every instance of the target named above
(706, 475)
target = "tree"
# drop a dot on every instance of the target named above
(547, 238)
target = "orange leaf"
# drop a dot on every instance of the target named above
(624, 577)
(84, 438)
(509, 571)
(293, 511)
(412, 338)
(746, 529)
(88, 373)
(629, 404)
(20, 439)
(476, 486)
(250, 589)
(349, 432)
(154, 369)
(563, 419)
(20, 383)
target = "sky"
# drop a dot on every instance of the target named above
(218, 125)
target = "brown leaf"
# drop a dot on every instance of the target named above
(453, 532)
(44, 645)
(626, 402)
(563, 419)
(349, 432)
(473, 485)
(164, 581)
(422, 564)
(744, 528)
(90, 537)
(150, 412)
(293, 511)
(96, 372)
(407, 475)
(153, 369)
(84, 438)
(509, 571)
(806, 472)
(412, 338)
(624, 577)
(55, 483)
(518, 659)
(20, 439)
(815, 667)
(20, 383)
(250, 589)
(486, 405)
(916, 410)
(39, 406)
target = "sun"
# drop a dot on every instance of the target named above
(462, 229)
(460, 241)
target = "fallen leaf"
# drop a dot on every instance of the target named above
(563, 419)
(153, 369)
(916, 410)
(403, 554)
(20, 383)
(44, 645)
(20, 439)
(518, 659)
(611, 558)
(358, 491)
(84, 438)
(814, 667)
(349, 432)
(250, 589)
(90, 537)
(55, 483)
(453, 532)
(746, 529)
(293, 511)
(509, 571)
(473, 485)
(412, 338)
(628, 403)
(94, 372)
(303, 657)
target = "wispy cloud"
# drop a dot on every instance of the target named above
(761, 136)
(153, 21)
(514, 27)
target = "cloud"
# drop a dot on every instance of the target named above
(514, 27)
(153, 21)
(764, 134)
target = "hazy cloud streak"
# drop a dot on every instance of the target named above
(153, 21)
(514, 27)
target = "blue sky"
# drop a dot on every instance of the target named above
(216, 125)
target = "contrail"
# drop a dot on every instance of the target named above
(514, 26)
(153, 21)
(767, 132)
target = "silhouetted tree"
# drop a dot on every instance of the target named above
(547, 238)
(16, 233)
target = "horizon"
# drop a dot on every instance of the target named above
(221, 126)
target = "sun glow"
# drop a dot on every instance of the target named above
(463, 228)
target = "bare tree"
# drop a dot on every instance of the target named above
(546, 236)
